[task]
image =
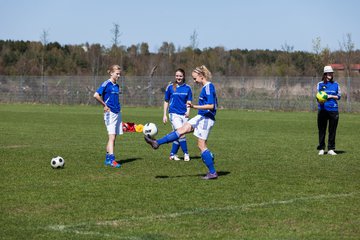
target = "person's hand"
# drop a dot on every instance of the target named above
(106, 109)
(165, 119)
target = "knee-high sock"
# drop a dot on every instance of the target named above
(175, 148)
(208, 159)
(168, 138)
(183, 145)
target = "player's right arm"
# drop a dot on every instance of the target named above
(166, 106)
(166, 102)
(99, 99)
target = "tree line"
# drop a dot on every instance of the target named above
(43, 58)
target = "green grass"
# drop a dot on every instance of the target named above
(272, 183)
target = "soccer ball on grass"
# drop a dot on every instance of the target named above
(150, 130)
(57, 162)
(321, 96)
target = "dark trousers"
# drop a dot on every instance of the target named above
(322, 119)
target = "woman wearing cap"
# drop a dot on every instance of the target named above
(328, 111)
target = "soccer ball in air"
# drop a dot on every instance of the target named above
(57, 162)
(150, 130)
(321, 96)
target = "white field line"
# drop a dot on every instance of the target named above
(74, 228)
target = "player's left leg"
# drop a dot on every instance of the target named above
(113, 124)
(333, 123)
(110, 156)
(174, 150)
(202, 131)
(177, 121)
(208, 159)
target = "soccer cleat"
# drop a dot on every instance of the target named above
(110, 161)
(151, 142)
(174, 157)
(321, 152)
(210, 176)
(331, 152)
(186, 157)
(115, 164)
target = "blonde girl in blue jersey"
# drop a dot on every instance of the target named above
(177, 96)
(108, 96)
(201, 124)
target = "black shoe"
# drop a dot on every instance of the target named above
(152, 142)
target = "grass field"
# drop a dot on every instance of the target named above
(272, 183)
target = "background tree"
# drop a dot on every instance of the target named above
(317, 49)
(347, 48)
(166, 63)
(51, 58)
(116, 52)
(284, 61)
(116, 34)
(194, 42)
(44, 40)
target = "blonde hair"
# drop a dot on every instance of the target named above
(113, 68)
(203, 71)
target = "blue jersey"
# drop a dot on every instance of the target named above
(109, 92)
(331, 88)
(177, 99)
(208, 96)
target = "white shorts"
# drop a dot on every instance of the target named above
(113, 123)
(177, 121)
(202, 126)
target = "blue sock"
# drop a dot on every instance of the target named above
(183, 145)
(175, 148)
(168, 138)
(111, 157)
(107, 157)
(208, 159)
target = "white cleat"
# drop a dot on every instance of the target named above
(174, 157)
(321, 152)
(186, 157)
(331, 152)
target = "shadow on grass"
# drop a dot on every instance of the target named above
(340, 152)
(191, 157)
(220, 173)
(128, 160)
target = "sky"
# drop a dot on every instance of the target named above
(232, 24)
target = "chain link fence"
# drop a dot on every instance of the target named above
(256, 93)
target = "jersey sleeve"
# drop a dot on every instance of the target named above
(190, 95)
(167, 93)
(338, 92)
(210, 93)
(102, 87)
(318, 87)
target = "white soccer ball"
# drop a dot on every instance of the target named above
(57, 162)
(150, 130)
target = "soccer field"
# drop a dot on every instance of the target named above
(272, 183)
